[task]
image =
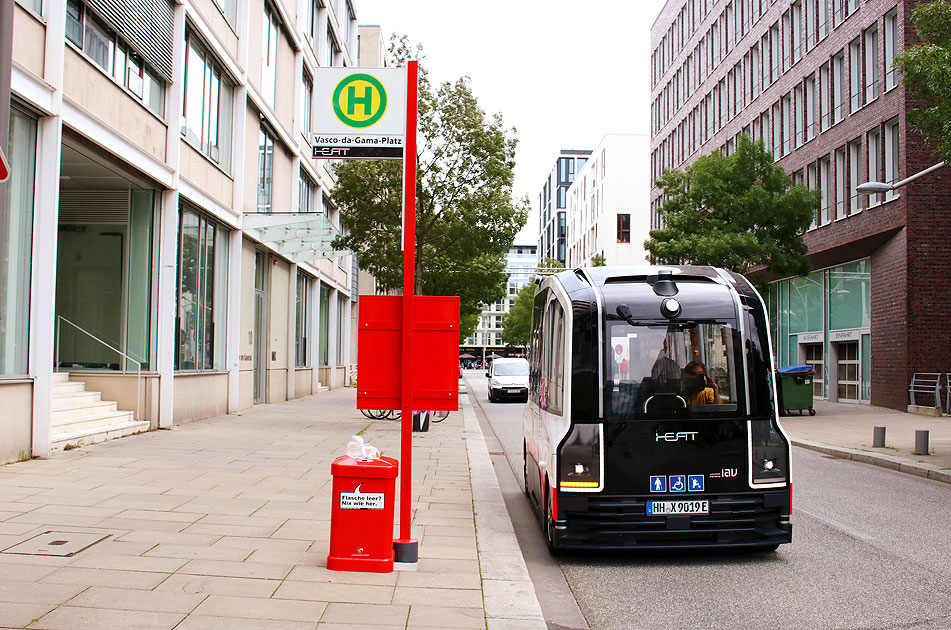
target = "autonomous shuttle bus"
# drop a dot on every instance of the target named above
(652, 420)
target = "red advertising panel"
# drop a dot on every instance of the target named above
(435, 352)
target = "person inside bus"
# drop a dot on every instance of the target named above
(699, 388)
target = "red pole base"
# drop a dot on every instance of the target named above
(405, 550)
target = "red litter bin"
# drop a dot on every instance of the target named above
(361, 519)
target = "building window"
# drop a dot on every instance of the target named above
(17, 246)
(825, 188)
(787, 123)
(797, 44)
(265, 169)
(269, 55)
(825, 97)
(623, 228)
(202, 292)
(343, 316)
(302, 317)
(230, 10)
(332, 48)
(855, 172)
(208, 106)
(874, 163)
(871, 64)
(810, 96)
(838, 87)
(855, 75)
(307, 105)
(891, 156)
(841, 185)
(323, 349)
(307, 188)
(114, 56)
(891, 48)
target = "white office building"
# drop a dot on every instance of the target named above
(608, 204)
(166, 249)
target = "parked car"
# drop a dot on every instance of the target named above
(508, 378)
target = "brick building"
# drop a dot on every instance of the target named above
(816, 81)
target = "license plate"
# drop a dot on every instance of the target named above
(513, 391)
(663, 508)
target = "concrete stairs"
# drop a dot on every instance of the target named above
(81, 417)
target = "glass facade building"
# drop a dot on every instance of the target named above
(824, 320)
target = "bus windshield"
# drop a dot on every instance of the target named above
(687, 370)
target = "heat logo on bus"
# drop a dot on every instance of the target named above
(676, 436)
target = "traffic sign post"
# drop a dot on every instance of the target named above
(365, 119)
(405, 547)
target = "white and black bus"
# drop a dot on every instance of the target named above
(652, 418)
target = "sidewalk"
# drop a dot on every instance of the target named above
(225, 523)
(846, 430)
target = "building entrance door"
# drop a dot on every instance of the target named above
(260, 327)
(848, 371)
(814, 357)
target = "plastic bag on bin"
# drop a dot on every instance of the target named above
(359, 449)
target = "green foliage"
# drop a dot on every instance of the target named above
(466, 219)
(517, 323)
(598, 260)
(550, 266)
(926, 72)
(738, 211)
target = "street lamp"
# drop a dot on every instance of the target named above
(871, 188)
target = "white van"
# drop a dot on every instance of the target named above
(508, 378)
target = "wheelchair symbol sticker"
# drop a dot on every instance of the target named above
(678, 483)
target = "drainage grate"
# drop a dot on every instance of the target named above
(64, 544)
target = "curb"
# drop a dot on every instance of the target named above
(883, 461)
(509, 594)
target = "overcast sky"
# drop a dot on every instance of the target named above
(563, 73)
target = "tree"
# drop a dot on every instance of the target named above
(926, 71)
(517, 323)
(738, 211)
(598, 260)
(466, 219)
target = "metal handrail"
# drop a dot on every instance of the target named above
(138, 381)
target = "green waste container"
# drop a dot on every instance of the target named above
(794, 387)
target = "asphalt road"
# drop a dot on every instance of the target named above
(871, 550)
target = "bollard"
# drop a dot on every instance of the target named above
(921, 443)
(878, 439)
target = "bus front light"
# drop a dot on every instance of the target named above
(581, 459)
(769, 454)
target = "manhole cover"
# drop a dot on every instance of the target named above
(63, 544)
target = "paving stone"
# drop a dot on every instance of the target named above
(20, 615)
(102, 577)
(239, 587)
(367, 614)
(20, 592)
(421, 616)
(134, 599)
(72, 617)
(274, 609)
(330, 592)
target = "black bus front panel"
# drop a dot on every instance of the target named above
(675, 484)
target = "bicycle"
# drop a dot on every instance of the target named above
(395, 414)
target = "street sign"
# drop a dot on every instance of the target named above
(360, 113)
(4, 167)
(435, 381)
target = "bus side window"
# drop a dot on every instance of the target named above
(535, 385)
(554, 357)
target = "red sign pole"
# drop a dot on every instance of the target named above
(406, 549)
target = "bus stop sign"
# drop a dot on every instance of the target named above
(435, 379)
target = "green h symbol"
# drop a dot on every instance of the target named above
(366, 100)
